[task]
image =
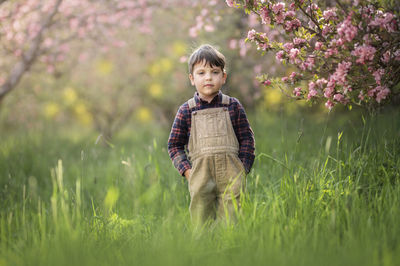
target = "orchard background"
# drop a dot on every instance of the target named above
(88, 93)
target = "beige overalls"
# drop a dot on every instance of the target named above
(217, 174)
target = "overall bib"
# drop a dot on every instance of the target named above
(217, 175)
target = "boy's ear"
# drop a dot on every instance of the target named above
(224, 76)
(191, 79)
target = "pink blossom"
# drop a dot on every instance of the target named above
(361, 96)
(293, 75)
(299, 41)
(397, 55)
(285, 79)
(318, 46)
(263, 46)
(378, 75)
(326, 30)
(292, 25)
(321, 82)
(384, 21)
(346, 30)
(267, 82)
(329, 104)
(331, 51)
(230, 3)
(364, 53)
(264, 13)
(294, 52)
(339, 76)
(382, 93)
(297, 91)
(278, 7)
(330, 14)
(251, 35)
(312, 7)
(279, 18)
(233, 44)
(279, 56)
(290, 13)
(386, 57)
(330, 89)
(309, 63)
(288, 46)
(312, 92)
(338, 97)
(209, 28)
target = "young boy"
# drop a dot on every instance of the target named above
(214, 129)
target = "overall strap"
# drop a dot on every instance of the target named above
(225, 99)
(192, 103)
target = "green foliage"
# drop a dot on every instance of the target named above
(322, 192)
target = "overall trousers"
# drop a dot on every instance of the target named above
(217, 175)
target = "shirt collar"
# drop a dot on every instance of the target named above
(217, 98)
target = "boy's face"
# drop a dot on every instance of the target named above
(208, 80)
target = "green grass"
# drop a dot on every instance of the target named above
(321, 192)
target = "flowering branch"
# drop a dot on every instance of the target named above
(346, 54)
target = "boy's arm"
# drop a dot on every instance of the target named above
(245, 137)
(178, 138)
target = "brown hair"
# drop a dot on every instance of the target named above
(208, 54)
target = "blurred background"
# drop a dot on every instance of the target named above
(106, 65)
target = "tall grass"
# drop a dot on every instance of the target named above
(320, 193)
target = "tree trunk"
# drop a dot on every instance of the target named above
(29, 57)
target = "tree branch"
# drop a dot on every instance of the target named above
(29, 56)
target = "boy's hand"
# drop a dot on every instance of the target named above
(187, 174)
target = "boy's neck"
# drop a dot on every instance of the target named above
(207, 98)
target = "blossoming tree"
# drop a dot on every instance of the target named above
(345, 54)
(35, 31)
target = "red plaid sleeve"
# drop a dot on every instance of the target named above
(178, 139)
(244, 134)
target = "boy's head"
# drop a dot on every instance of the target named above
(208, 55)
(207, 71)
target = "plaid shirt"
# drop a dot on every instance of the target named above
(180, 132)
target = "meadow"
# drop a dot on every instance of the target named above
(324, 190)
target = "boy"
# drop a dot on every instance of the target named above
(218, 137)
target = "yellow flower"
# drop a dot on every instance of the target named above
(104, 67)
(154, 69)
(70, 95)
(144, 114)
(165, 64)
(155, 90)
(272, 98)
(179, 48)
(82, 114)
(51, 110)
